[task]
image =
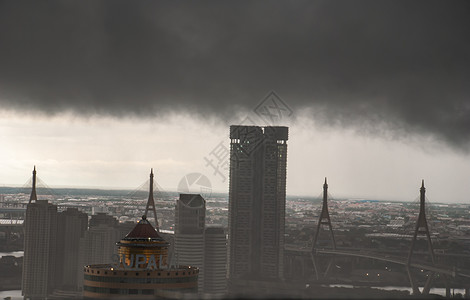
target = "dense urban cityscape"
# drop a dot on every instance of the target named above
(62, 234)
(368, 223)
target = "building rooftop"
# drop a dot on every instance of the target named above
(192, 200)
(143, 230)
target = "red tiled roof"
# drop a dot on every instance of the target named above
(143, 230)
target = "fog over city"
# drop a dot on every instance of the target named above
(94, 93)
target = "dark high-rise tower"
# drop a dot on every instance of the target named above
(257, 198)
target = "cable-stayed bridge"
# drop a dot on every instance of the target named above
(425, 262)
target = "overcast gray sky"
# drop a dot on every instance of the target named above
(95, 93)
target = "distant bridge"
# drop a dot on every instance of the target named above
(442, 269)
(421, 228)
(363, 253)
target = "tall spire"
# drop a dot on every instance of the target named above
(324, 219)
(422, 225)
(33, 190)
(151, 202)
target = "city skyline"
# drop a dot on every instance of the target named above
(73, 211)
(250, 150)
(86, 89)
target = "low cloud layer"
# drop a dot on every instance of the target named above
(405, 65)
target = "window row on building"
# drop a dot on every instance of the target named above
(116, 291)
(140, 279)
(194, 271)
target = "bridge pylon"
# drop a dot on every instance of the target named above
(421, 228)
(151, 202)
(324, 219)
(33, 196)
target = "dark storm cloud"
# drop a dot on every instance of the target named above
(405, 64)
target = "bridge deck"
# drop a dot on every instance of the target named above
(394, 259)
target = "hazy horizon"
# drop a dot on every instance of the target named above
(289, 196)
(96, 94)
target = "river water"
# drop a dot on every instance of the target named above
(437, 291)
(14, 253)
(14, 294)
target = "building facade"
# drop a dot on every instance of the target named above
(215, 260)
(71, 227)
(99, 244)
(190, 216)
(40, 246)
(257, 197)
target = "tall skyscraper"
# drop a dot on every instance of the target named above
(215, 260)
(257, 198)
(190, 216)
(71, 227)
(40, 245)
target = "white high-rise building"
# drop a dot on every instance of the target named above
(190, 216)
(215, 260)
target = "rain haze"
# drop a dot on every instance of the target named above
(96, 93)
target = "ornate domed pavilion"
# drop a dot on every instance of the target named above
(141, 269)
